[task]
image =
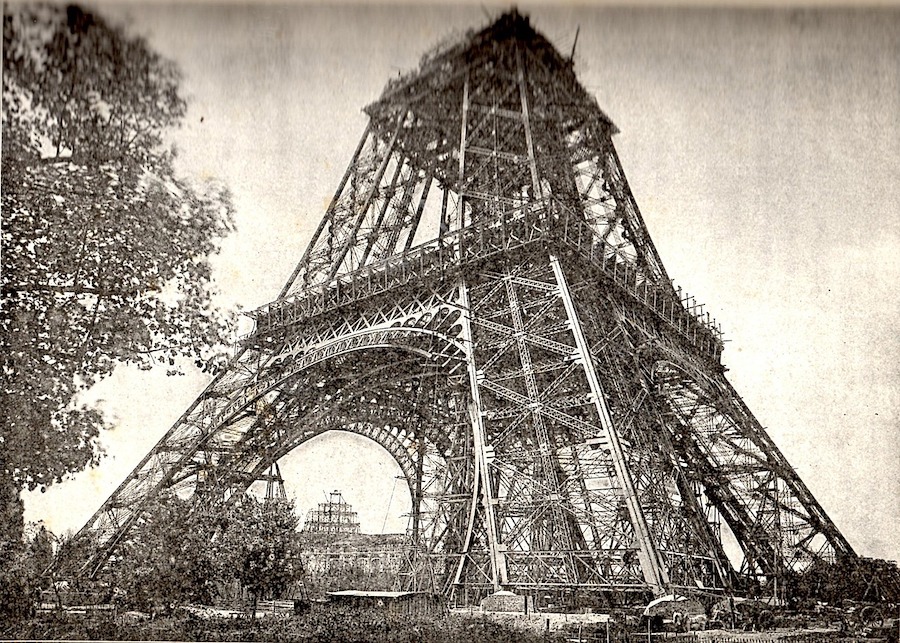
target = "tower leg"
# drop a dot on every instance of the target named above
(651, 564)
(482, 482)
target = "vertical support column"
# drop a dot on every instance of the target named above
(417, 493)
(461, 210)
(654, 571)
(418, 216)
(523, 94)
(555, 530)
(777, 566)
(379, 221)
(482, 480)
(631, 214)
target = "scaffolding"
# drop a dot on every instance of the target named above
(335, 516)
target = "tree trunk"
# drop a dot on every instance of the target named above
(14, 600)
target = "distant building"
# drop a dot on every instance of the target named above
(332, 517)
(337, 556)
(368, 555)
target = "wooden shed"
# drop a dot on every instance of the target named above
(393, 603)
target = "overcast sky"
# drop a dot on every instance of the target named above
(763, 149)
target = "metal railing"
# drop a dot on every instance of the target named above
(446, 256)
(702, 333)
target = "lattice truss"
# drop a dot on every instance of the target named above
(482, 299)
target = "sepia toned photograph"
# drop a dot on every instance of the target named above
(450, 322)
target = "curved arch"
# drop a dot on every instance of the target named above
(223, 430)
(379, 396)
(395, 438)
(414, 433)
(425, 342)
(388, 443)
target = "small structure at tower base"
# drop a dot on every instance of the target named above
(403, 604)
(504, 601)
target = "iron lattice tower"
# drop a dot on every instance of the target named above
(482, 298)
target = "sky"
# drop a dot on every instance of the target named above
(762, 146)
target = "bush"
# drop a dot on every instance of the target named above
(323, 623)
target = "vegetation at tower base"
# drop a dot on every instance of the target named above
(26, 560)
(374, 562)
(870, 580)
(187, 551)
(105, 249)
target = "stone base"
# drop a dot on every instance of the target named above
(507, 602)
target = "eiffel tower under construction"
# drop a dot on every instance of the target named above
(483, 299)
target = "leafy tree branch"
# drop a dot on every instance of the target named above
(106, 249)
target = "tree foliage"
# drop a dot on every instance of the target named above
(263, 547)
(860, 579)
(168, 558)
(105, 249)
(191, 552)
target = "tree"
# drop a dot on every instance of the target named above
(105, 249)
(38, 554)
(187, 551)
(168, 558)
(261, 547)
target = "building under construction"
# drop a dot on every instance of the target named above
(334, 516)
(483, 300)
